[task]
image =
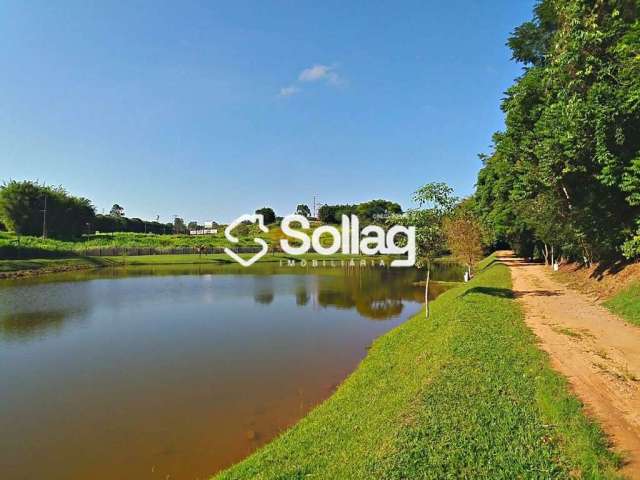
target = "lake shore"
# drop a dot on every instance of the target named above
(464, 393)
(43, 266)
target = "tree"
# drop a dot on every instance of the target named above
(367, 212)
(464, 237)
(29, 208)
(303, 210)
(179, 225)
(435, 201)
(376, 210)
(192, 225)
(268, 214)
(117, 211)
(21, 204)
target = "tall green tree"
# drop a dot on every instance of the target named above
(268, 214)
(572, 132)
(303, 210)
(116, 211)
(29, 208)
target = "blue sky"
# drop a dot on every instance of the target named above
(212, 109)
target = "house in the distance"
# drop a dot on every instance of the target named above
(209, 229)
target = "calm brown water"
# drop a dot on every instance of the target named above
(178, 372)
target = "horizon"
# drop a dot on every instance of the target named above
(208, 112)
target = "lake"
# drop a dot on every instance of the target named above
(179, 371)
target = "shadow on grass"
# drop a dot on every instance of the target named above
(493, 291)
(506, 293)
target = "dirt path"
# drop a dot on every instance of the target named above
(597, 351)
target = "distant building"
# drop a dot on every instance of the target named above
(209, 229)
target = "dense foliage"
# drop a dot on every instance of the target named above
(268, 214)
(303, 210)
(374, 211)
(113, 223)
(29, 208)
(565, 172)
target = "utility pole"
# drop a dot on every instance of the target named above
(316, 202)
(44, 218)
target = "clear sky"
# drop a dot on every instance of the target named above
(212, 109)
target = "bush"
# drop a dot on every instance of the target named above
(22, 206)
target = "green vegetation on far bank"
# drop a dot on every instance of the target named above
(32, 266)
(626, 303)
(465, 394)
(20, 267)
(13, 246)
(32, 247)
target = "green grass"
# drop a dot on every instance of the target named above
(122, 240)
(465, 394)
(50, 265)
(35, 247)
(627, 303)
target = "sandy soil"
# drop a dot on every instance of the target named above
(597, 351)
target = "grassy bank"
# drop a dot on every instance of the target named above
(30, 247)
(14, 268)
(12, 246)
(17, 268)
(626, 303)
(464, 394)
(617, 286)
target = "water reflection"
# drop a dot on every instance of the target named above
(179, 370)
(37, 310)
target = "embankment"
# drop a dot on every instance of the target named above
(466, 393)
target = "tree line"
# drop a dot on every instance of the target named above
(367, 212)
(564, 174)
(29, 208)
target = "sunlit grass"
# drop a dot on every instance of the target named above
(466, 394)
(627, 303)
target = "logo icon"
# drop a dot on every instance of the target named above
(256, 218)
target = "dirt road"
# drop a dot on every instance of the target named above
(597, 351)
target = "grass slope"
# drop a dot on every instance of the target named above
(466, 394)
(50, 265)
(627, 303)
(11, 268)
(35, 247)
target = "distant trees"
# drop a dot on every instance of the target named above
(110, 224)
(303, 210)
(179, 226)
(377, 210)
(22, 209)
(268, 214)
(374, 211)
(117, 211)
(333, 213)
